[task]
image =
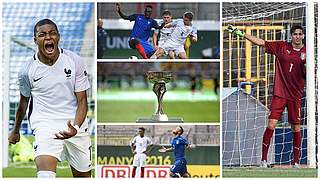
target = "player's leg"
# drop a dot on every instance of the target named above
(135, 44)
(47, 153)
(143, 160)
(181, 52)
(182, 55)
(135, 164)
(148, 48)
(277, 107)
(159, 52)
(294, 117)
(184, 171)
(46, 166)
(171, 55)
(175, 169)
(79, 155)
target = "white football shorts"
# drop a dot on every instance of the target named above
(139, 160)
(76, 150)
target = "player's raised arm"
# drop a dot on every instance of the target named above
(123, 16)
(14, 136)
(254, 40)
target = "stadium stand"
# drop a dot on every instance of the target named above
(121, 135)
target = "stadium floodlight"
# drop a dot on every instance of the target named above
(159, 80)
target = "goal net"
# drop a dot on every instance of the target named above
(248, 84)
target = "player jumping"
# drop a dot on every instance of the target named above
(178, 146)
(140, 147)
(141, 30)
(183, 28)
(290, 75)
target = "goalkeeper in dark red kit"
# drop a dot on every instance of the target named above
(289, 81)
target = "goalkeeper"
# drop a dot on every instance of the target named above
(289, 80)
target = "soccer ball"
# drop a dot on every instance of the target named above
(133, 57)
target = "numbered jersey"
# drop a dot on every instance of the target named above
(181, 32)
(141, 143)
(290, 72)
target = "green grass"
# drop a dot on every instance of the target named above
(269, 172)
(28, 169)
(32, 172)
(130, 111)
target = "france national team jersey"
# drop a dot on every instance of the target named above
(53, 88)
(142, 26)
(179, 144)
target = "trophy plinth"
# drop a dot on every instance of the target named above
(159, 80)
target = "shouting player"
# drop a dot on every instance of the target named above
(165, 34)
(140, 147)
(183, 28)
(178, 146)
(54, 83)
(141, 30)
(289, 81)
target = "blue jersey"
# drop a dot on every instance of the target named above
(142, 26)
(179, 144)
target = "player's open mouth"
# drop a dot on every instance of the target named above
(49, 48)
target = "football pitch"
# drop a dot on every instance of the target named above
(269, 172)
(116, 107)
(28, 169)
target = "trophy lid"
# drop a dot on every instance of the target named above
(159, 76)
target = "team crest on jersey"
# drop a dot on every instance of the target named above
(303, 56)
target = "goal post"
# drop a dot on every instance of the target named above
(310, 85)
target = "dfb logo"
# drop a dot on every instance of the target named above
(122, 171)
(157, 171)
(115, 171)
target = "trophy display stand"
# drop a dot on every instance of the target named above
(159, 80)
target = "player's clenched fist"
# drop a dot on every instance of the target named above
(14, 137)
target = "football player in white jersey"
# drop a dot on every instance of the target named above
(183, 28)
(165, 34)
(140, 147)
(54, 83)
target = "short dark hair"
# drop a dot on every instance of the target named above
(142, 128)
(188, 15)
(148, 6)
(44, 22)
(166, 12)
(295, 27)
(181, 129)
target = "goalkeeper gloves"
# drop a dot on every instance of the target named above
(235, 31)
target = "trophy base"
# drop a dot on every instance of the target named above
(160, 118)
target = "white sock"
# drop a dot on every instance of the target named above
(46, 174)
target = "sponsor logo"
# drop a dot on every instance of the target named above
(118, 171)
(35, 80)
